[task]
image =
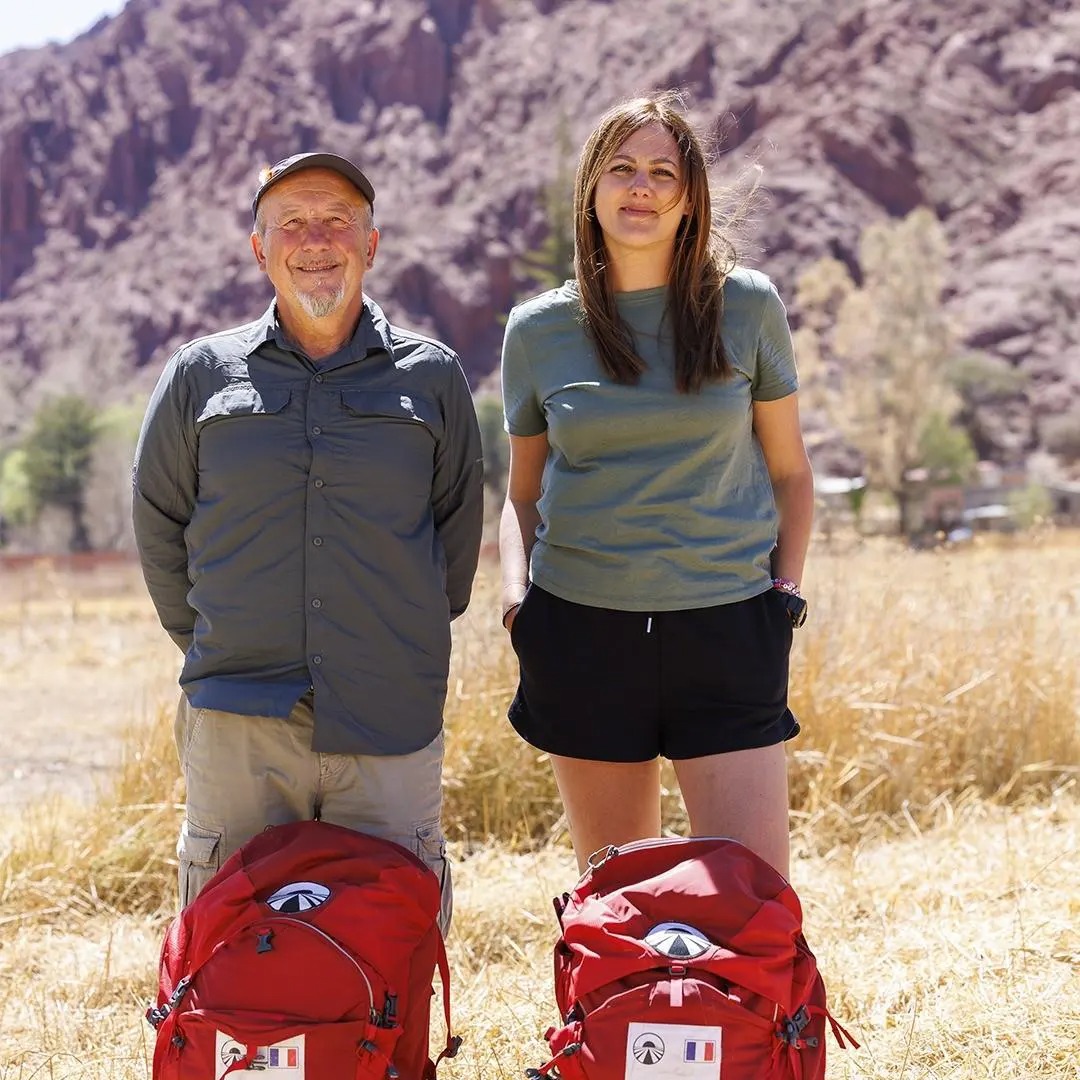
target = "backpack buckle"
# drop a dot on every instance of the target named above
(157, 1017)
(792, 1028)
(388, 1017)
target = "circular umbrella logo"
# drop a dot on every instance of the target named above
(677, 941)
(299, 896)
(232, 1052)
(648, 1048)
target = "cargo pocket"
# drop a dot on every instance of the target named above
(199, 853)
(186, 728)
(430, 845)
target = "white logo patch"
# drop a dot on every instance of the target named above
(677, 941)
(299, 896)
(672, 1052)
(282, 1061)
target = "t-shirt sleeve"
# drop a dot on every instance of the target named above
(523, 414)
(775, 374)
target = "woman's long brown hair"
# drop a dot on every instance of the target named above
(702, 260)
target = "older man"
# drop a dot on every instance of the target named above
(307, 506)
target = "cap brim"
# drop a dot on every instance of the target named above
(335, 162)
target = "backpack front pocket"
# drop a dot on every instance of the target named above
(211, 1045)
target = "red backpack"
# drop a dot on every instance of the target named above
(685, 959)
(310, 953)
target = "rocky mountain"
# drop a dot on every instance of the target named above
(128, 157)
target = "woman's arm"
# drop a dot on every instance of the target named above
(777, 427)
(520, 517)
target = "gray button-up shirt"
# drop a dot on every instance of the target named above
(317, 525)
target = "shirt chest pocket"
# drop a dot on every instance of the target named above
(388, 439)
(241, 429)
(243, 399)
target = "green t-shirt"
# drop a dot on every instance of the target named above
(651, 499)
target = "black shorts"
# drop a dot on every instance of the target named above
(629, 686)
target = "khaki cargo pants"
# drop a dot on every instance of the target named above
(244, 773)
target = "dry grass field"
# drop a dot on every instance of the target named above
(934, 811)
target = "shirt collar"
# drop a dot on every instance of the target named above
(372, 332)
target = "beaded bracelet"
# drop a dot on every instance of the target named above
(786, 585)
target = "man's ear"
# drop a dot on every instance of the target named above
(257, 248)
(373, 244)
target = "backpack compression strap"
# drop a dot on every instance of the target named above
(453, 1042)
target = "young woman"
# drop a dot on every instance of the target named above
(659, 505)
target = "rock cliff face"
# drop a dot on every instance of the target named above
(127, 160)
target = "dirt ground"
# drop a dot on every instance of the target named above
(68, 640)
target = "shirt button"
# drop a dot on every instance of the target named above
(318, 378)
(316, 603)
(317, 541)
(320, 483)
(317, 658)
(316, 430)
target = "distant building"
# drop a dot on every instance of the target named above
(944, 510)
(1065, 501)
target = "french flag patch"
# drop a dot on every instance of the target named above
(286, 1057)
(699, 1050)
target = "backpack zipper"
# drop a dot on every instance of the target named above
(602, 856)
(344, 952)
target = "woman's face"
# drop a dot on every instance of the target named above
(640, 198)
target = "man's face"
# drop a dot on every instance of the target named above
(316, 243)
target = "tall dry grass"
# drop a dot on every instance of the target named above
(933, 794)
(921, 680)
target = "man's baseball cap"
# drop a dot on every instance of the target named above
(269, 176)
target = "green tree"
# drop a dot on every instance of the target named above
(945, 449)
(892, 344)
(17, 505)
(108, 484)
(58, 450)
(983, 377)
